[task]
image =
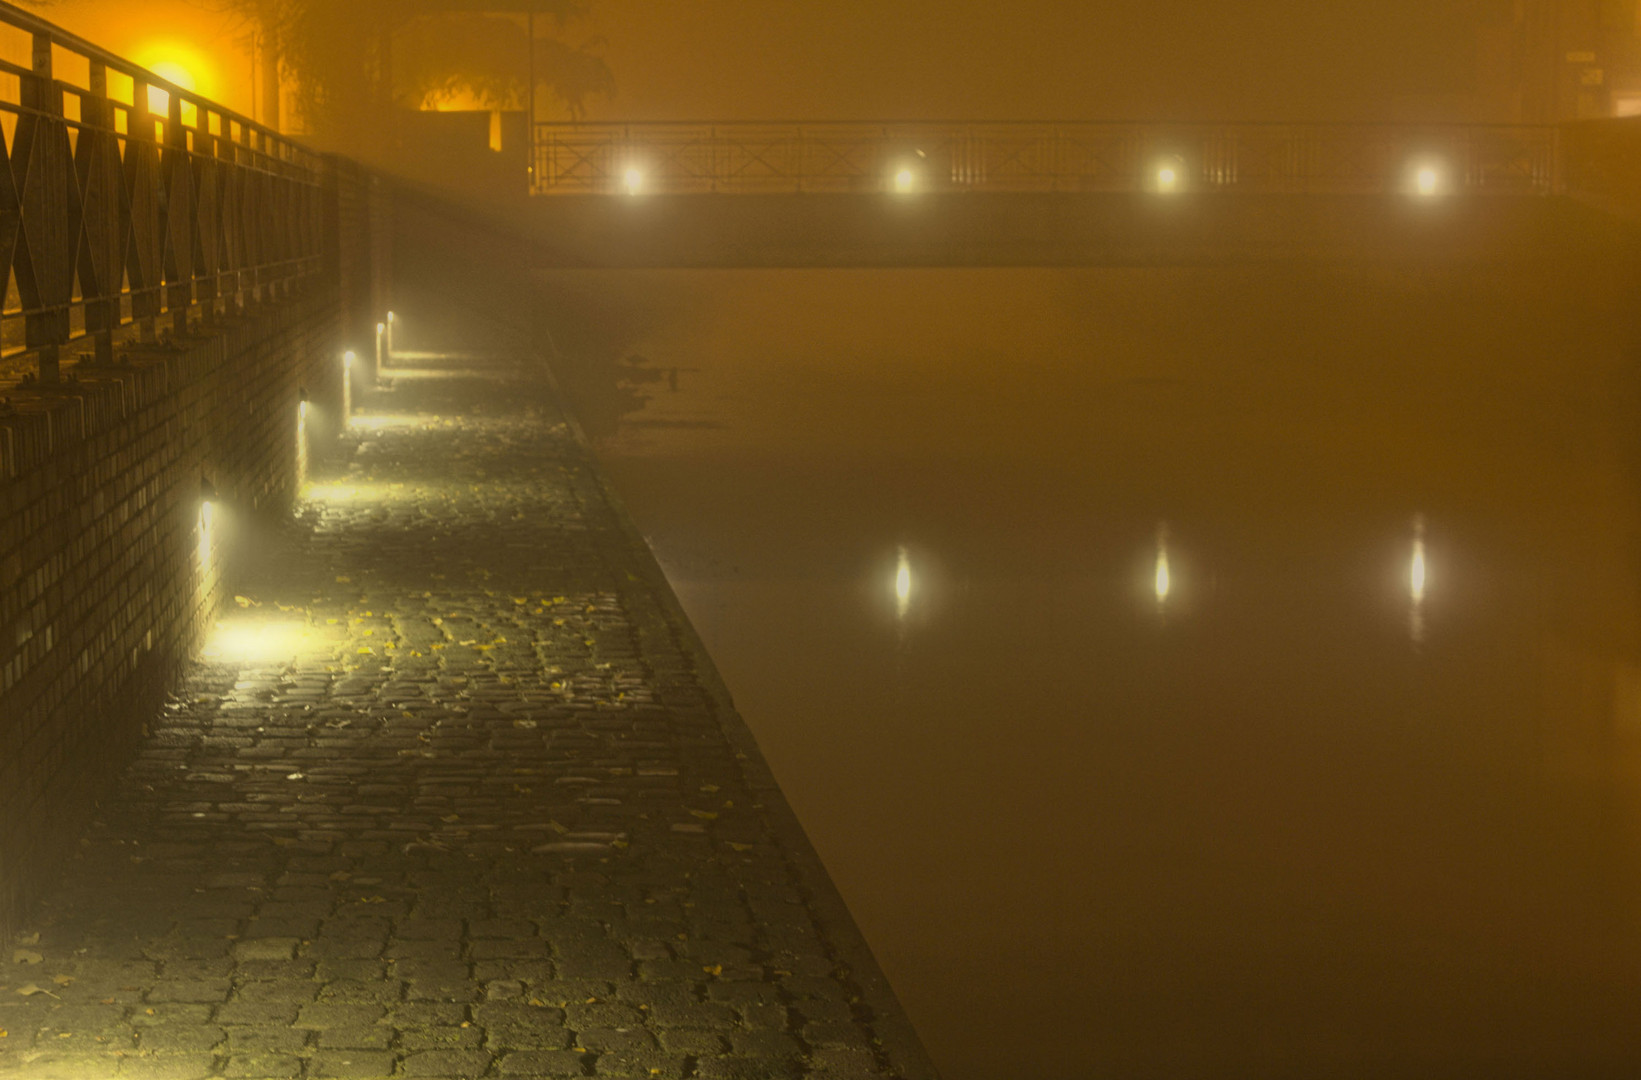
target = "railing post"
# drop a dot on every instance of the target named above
(179, 293)
(145, 299)
(50, 273)
(102, 313)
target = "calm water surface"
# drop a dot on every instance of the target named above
(1182, 672)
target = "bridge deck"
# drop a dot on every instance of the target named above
(496, 817)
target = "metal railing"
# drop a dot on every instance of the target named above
(746, 158)
(125, 198)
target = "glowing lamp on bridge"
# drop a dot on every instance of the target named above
(1428, 180)
(905, 180)
(633, 181)
(1169, 176)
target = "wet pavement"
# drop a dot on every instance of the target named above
(454, 793)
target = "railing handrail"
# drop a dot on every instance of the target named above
(746, 156)
(589, 125)
(221, 209)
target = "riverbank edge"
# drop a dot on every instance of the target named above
(898, 1038)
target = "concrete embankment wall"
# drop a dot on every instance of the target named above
(105, 585)
(1051, 229)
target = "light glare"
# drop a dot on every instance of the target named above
(903, 584)
(1418, 581)
(904, 180)
(1167, 178)
(634, 181)
(1162, 580)
(1428, 181)
(252, 640)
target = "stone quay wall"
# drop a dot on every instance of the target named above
(106, 586)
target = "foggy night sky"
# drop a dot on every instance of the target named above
(924, 59)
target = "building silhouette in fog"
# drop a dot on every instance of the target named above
(1548, 61)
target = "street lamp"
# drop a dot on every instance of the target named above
(634, 181)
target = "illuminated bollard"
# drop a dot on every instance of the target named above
(302, 409)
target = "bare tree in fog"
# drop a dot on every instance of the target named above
(353, 63)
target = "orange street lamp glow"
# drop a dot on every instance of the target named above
(634, 181)
(1167, 179)
(172, 71)
(1428, 182)
(904, 181)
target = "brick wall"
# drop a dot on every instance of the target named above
(105, 586)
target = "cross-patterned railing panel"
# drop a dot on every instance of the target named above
(126, 200)
(747, 158)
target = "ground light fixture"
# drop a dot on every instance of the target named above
(905, 180)
(301, 438)
(349, 359)
(207, 521)
(633, 180)
(1168, 177)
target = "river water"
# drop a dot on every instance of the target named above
(1182, 672)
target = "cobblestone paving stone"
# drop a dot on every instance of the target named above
(491, 821)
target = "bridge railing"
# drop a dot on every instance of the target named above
(126, 199)
(590, 158)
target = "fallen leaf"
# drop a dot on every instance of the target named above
(31, 939)
(25, 956)
(64, 980)
(30, 990)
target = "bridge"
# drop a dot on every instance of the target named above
(1014, 158)
(347, 727)
(1011, 194)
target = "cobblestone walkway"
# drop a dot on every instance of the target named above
(494, 819)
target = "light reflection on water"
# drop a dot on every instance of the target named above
(1273, 840)
(903, 584)
(1418, 578)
